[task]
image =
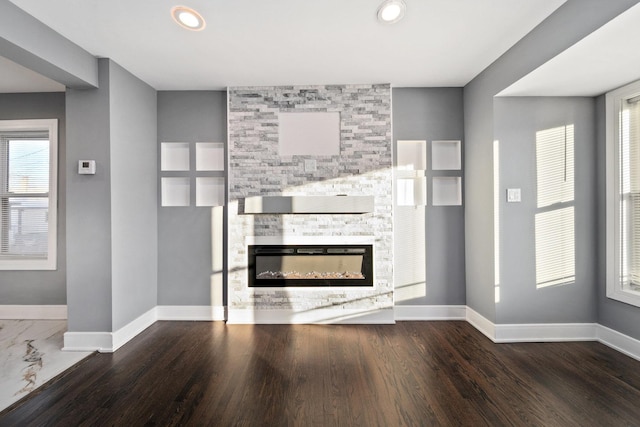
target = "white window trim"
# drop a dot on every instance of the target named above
(50, 125)
(615, 289)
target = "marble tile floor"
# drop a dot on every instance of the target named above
(30, 355)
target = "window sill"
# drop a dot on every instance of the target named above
(625, 296)
(23, 265)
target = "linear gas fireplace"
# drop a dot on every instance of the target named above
(310, 265)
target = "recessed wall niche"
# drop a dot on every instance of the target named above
(209, 156)
(447, 191)
(175, 191)
(174, 156)
(180, 181)
(445, 155)
(209, 191)
(411, 181)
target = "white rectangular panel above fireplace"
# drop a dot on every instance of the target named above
(278, 200)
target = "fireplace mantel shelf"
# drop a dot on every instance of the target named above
(308, 204)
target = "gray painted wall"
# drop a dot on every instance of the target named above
(134, 212)
(112, 215)
(39, 287)
(574, 20)
(184, 233)
(516, 124)
(431, 114)
(89, 299)
(478, 200)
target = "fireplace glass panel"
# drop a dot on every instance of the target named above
(329, 265)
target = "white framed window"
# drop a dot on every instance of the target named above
(28, 194)
(623, 193)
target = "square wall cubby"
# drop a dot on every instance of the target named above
(446, 155)
(411, 191)
(175, 191)
(447, 191)
(192, 174)
(411, 181)
(209, 156)
(174, 156)
(209, 191)
(412, 155)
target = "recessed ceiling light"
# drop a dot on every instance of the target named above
(188, 18)
(391, 11)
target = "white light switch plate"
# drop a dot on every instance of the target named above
(513, 195)
(86, 167)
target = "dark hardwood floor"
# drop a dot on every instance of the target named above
(408, 374)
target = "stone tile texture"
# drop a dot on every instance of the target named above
(363, 167)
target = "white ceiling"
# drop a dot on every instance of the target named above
(15, 78)
(602, 61)
(289, 42)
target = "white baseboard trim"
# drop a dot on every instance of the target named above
(317, 316)
(33, 312)
(545, 332)
(108, 342)
(88, 341)
(133, 328)
(618, 341)
(532, 332)
(555, 332)
(192, 312)
(429, 312)
(481, 323)
(220, 313)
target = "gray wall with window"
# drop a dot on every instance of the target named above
(39, 287)
(622, 317)
(529, 130)
(537, 47)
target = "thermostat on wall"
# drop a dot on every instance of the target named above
(87, 167)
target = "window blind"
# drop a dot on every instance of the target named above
(24, 195)
(630, 191)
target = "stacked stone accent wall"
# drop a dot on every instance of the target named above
(363, 167)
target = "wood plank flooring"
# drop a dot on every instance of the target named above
(408, 374)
